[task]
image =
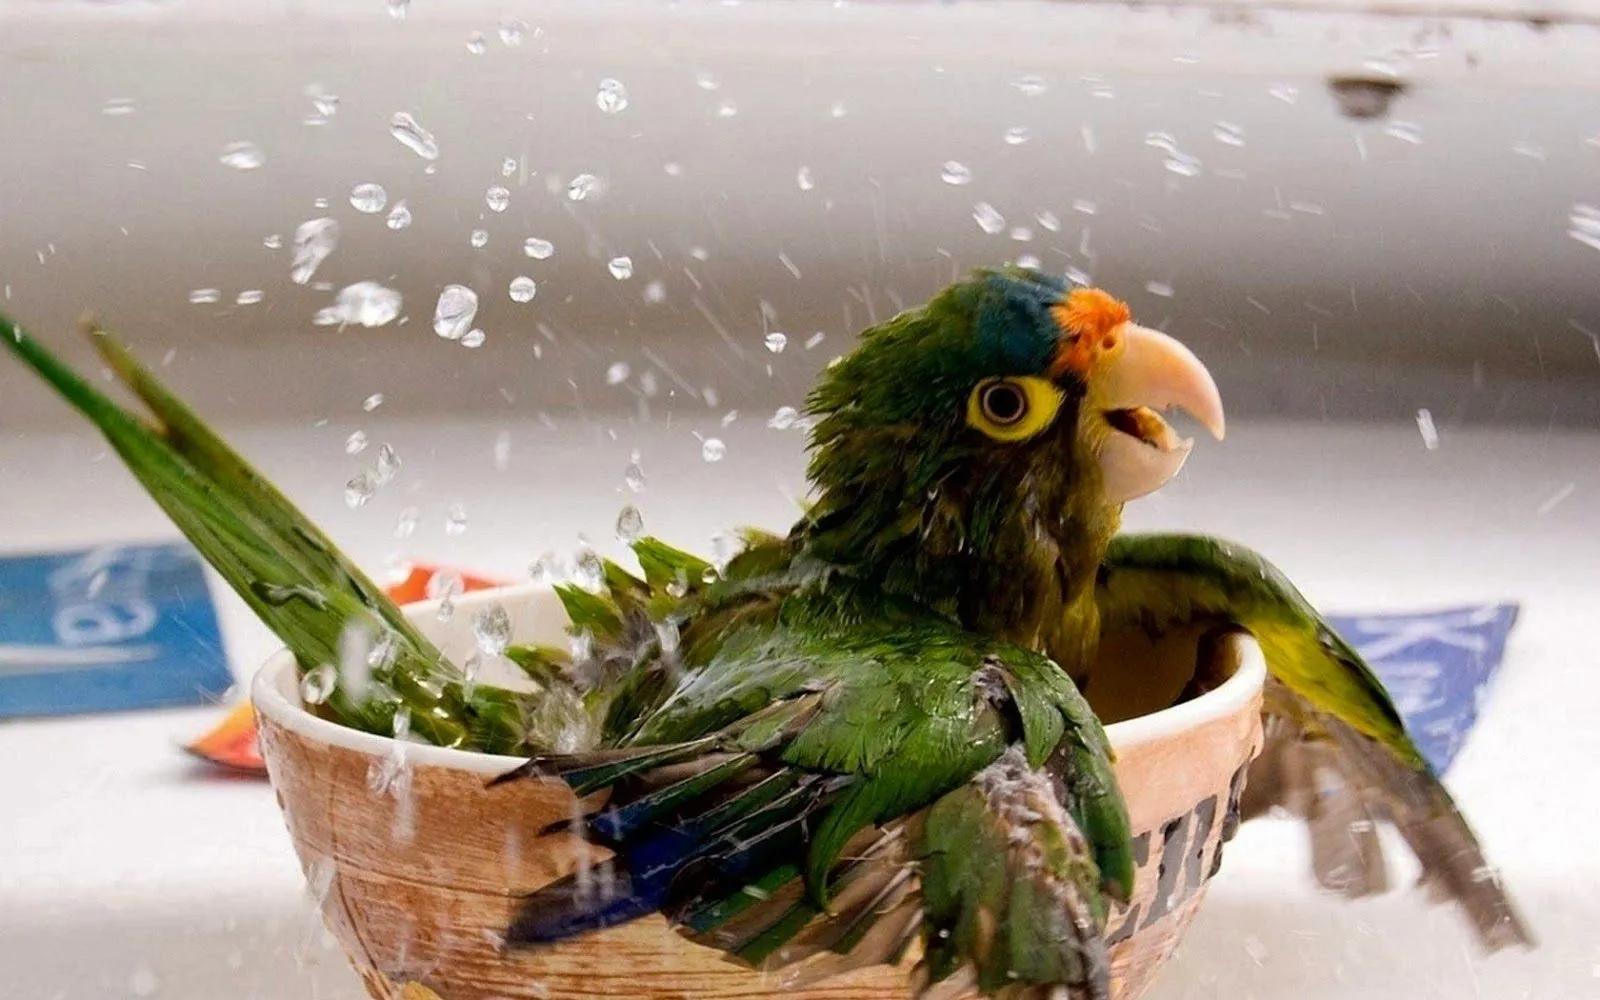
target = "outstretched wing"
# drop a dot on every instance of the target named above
(1337, 752)
(821, 795)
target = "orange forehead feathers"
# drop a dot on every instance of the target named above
(1088, 319)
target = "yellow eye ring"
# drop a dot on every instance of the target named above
(1013, 409)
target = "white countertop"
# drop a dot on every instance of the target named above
(127, 868)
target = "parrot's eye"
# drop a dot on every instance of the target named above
(1003, 403)
(1013, 409)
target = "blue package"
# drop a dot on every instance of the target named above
(1437, 666)
(108, 629)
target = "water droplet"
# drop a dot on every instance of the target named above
(497, 198)
(1048, 220)
(776, 342)
(583, 186)
(388, 464)
(1255, 948)
(368, 198)
(677, 586)
(1022, 234)
(1182, 164)
(455, 522)
(1288, 93)
(588, 572)
(621, 268)
(205, 296)
(317, 685)
(672, 168)
(815, 339)
(700, 253)
(522, 289)
(709, 575)
(118, 106)
(356, 443)
(630, 524)
(273, 242)
(1409, 132)
(508, 167)
(327, 105)
(706, 80)
(1031, 85)
(455, 311)
(1532, 150)
(1430, 434)
(612, 96)
(1583, 225)
(479, 239)
(249, 297)
(491, 629)
(144, 982)
(359, 490)
(372, 402)
(242, 156)
(727, 109)
(473, 338)
(502, 451)
(955, 172)
(713, 450)
(538, 249)
(668, 636)
(655, 292)
(397, 8)
(511, 32)
(413, 136)
(618, 373)
(1228, 134)
(1077, 276)
(476, 44)
(546, 569)
(399, 216)
(313, 242)
(633, 475)
(803, 178)
(783, 418)
(406, 525)
(1029, 261)
(1016, 135)
(1084, 206)
(729, 417)
(1160, 288)
(365, 303)
(988, 218)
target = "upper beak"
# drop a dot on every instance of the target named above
(1151, 374)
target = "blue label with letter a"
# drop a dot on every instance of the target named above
(108, 629)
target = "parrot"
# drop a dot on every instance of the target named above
(1336, 751)
(849, 740)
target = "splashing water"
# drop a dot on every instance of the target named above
(368, 198)
(413, 136)
(314, 240)
(399, 217)
(956, 173)
(455, 311)
(242, 156)
(365, 303)
(612, 96)
(988, 218)
(630, 524)
(491, 629)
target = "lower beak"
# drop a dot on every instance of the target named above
(1151, 374)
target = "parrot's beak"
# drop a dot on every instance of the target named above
(1150, 374)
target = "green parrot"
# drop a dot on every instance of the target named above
(1337, 752)
(849, 740)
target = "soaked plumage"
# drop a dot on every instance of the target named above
(850, 741)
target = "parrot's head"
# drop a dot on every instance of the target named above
(1012, 409)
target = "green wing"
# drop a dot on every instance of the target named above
(1337, 751)
(834, 785)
